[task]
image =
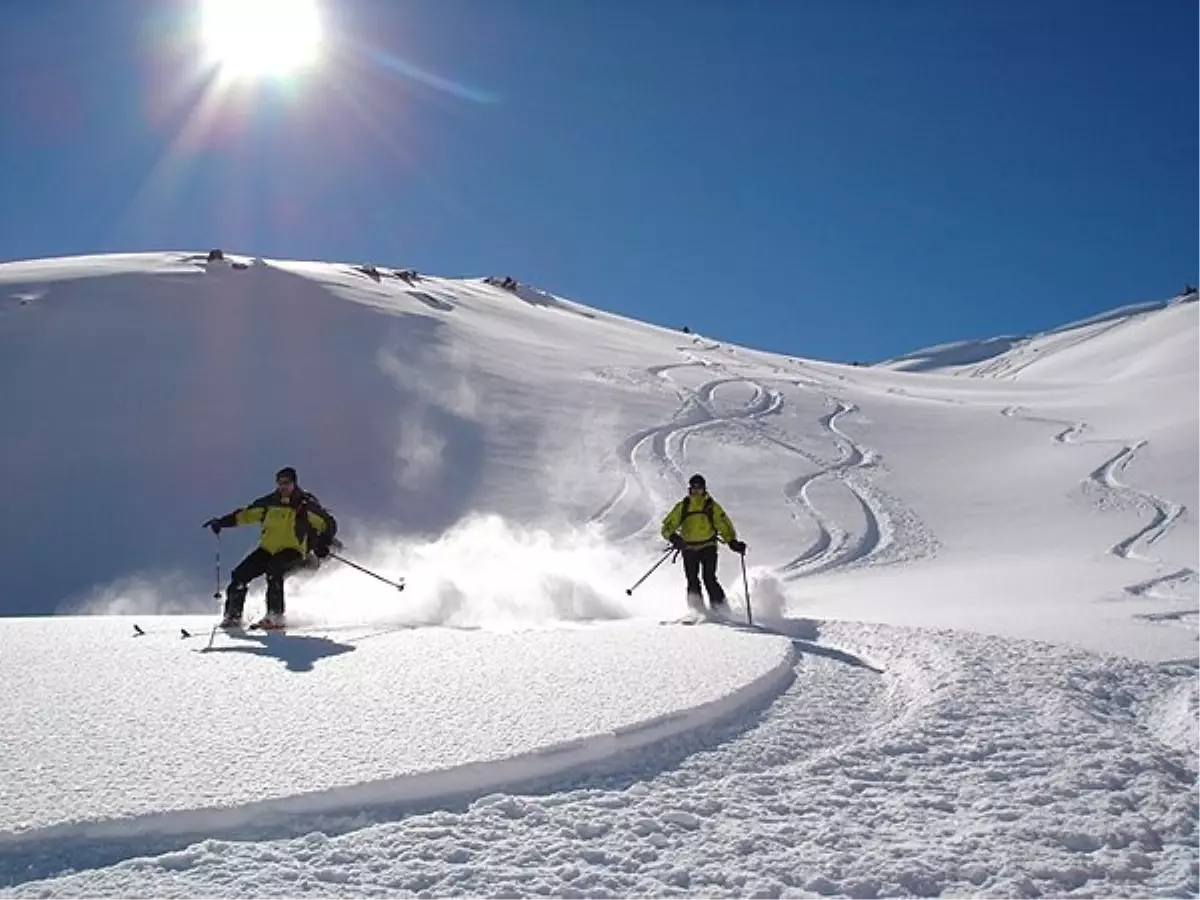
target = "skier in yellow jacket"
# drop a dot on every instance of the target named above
(293, 523)
(692, 527)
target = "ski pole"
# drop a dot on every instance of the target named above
(367, 571)
(217, 592)
(666, 553)
(746, 585)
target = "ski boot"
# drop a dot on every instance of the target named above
(270, 622)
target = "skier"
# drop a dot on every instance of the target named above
(293, 523)
(692, 527)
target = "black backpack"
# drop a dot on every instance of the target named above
(316, 539)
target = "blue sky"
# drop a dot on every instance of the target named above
(838, 180)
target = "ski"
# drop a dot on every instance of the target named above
(690, 619)
(701, 618)
(184, 633)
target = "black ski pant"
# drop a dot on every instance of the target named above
(261, 562)
(703, 560)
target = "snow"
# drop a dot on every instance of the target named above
(392, 726)
(976, 766)
(1005, 356)
(972, 669)
(952, 355)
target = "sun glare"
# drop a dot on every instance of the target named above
(248, 38)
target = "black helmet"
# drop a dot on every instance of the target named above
(697, 480)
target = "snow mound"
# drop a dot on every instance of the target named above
(171, 735)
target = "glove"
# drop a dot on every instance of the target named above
(738, 547)
(677, 541)
(214, 525)
(321, 551)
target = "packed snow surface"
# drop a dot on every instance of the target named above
(386, 714)
(973, 574)
(968, 765)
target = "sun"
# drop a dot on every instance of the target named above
(260, 38)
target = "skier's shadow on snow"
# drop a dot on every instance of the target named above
(299, 652)
(802, 633)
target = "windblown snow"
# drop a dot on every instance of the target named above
(971, 668)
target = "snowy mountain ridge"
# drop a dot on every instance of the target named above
(1006, 355)
(971, 671)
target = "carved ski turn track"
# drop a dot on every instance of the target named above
(657, 452)
(655, 456)
(1107, 481)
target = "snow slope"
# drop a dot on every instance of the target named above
(975, 590)
(1006, 356)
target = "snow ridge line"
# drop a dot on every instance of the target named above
(1006, 366)
(1106, 479)
(580, 755)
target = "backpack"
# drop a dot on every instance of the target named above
(316, 539)
(705, 510)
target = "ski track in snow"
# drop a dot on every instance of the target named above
(917, 781)
(633, 508)
(1071, 431)
(834, 546)
(1106, 480)
(891, 533)
(1166, 512)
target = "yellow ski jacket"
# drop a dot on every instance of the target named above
(698, 520)
(287, 524)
